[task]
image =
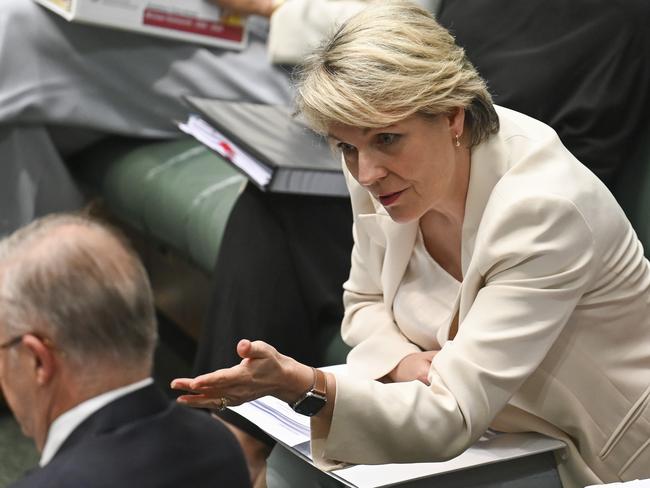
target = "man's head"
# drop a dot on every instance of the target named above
(77, 313)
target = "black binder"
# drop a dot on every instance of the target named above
(275, 150)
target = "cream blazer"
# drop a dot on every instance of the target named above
(554, 321)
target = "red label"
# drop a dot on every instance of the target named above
(193, 25)
(228, 151)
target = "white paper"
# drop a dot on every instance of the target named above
(215, 140)
(284, 424)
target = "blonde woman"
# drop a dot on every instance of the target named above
(494, 280)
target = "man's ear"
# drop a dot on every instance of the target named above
(44, 361)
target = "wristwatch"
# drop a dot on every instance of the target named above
(315, 398)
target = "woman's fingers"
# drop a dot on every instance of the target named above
(414, 366)
(258, 374)
(195, 400)
(208, 380)
(424, 378)
(236, 395)
(231, 383)
(430, 354)
(222, 378)
(200, 401)
(255, 350)
(243, 348)
(180, 383)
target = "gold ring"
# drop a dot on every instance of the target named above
(223, 404)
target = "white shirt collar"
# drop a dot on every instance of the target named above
(67, 422)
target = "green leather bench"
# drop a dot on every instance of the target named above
(176, 192)
(173, 199)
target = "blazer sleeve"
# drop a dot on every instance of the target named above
(298, 26)
(536, 258)
(377, 343)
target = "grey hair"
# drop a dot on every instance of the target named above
(386, 63)
(87, 290)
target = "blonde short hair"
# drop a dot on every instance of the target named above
(388, 62)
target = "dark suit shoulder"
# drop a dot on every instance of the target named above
(171, 447)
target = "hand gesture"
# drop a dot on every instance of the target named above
(262, 371)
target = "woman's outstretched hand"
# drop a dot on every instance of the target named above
(262, 371)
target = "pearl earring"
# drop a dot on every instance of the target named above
(457, 140)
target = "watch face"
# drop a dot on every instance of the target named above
(310, 405)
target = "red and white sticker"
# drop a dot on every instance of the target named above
(232, 31)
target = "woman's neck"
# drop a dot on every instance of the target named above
(442, 227)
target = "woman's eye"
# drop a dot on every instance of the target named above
(387, 139)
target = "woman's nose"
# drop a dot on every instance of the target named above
(369, 170)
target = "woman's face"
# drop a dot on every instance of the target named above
(411, 167)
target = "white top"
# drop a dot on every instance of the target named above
(67, 422)
(424, 301)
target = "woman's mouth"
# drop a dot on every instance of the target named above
(389, 198)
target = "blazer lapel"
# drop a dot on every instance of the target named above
(489, 163)
(398, 239)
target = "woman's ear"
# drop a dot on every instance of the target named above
(43, 358)
(456, 121)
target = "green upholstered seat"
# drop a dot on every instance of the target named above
(632, 189)
(177, 192)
